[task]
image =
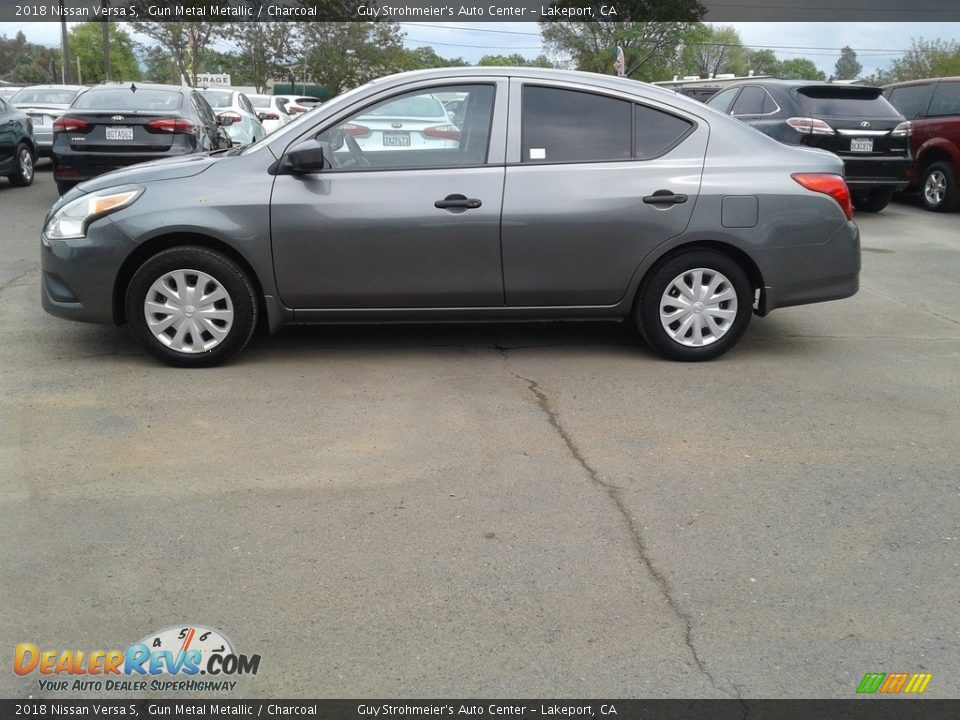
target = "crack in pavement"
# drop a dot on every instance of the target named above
(613, 492)
(10, 283)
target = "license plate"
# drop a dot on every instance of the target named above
(861, 145)
(396, 139)
(38, 119)
(119, 133)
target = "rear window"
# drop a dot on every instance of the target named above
(218, 98)
(260, 101)
(841, 101)
(126, 99)
(41, 96)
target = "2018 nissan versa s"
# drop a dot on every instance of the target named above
(557, 195)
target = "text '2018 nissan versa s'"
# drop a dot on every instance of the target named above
(555, 194)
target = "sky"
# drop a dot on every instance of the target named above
(877, 44)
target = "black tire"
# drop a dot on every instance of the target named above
(25, 163)
(64, 187)
(231, 277)
(647, 311)
(942, 172)
(872, 201)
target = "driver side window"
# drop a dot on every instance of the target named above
(440, 126)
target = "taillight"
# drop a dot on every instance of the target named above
(231, 116)
(180, 126)
(295, 109)
(904, 129)
(271, 116)
(828, 184)
(71, 124)
(810, 126)
(354, 129)
(447, 132)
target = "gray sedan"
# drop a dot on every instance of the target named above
(558, 195)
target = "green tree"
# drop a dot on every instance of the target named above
(186, 42)
(264, 49)
(515, 60)
(648, 47)
(158, 65)
(26, 62)
(762, 62)
(343, 55)
(800, 69)
(426, 57)
(924, 59)
(847, 67)
(708, 51)
(86, 43)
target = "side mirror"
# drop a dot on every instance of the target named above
(262, 116)
(225, 120)
(308, 158)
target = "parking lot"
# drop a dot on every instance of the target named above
(518, 510)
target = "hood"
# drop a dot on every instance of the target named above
(167, 169)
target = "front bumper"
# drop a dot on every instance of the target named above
(78, 275)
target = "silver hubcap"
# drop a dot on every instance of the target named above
(26, 165)
(698, 307)
(188, 311)
(935, 188)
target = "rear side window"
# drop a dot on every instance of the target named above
(723, 101)
(845, 102)
(655, 131)
(125, 99)
(912, 100)
(572, 126)
(750, 101)
(946, 99)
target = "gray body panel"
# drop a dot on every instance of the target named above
(575, 239)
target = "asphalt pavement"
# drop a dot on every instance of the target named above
(499, 511)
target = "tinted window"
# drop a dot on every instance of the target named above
(40, 96)
(723, 101)
(245, 104)
(570, 126)
(911, 101)
(946, 99)
(282, 104)
(655, 131)
(839, 101)
(769, 104)
(125, 99)
(203, 108)
(750, 101)
(383, 138)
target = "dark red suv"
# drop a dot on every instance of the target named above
(933, 106)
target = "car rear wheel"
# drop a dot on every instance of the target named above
(695, 306)
(22, 175)
(191, 307)
(939, 191)
(872, 200)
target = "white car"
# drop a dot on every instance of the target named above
(272, 111)
(43, 104)
(297, 104)
(414, 122)
(243, 126)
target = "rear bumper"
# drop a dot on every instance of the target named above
(811, 273)
(75, 167)
(885, 172)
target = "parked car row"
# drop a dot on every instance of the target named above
(904, 136)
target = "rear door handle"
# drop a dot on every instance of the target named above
(665, 197)
(458, 201)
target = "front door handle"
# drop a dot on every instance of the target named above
(665, 197)
(458, 201)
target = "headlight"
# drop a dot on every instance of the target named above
(72, 220)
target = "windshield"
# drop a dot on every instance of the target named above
(43, 96)
(218, 98)
(126, 99)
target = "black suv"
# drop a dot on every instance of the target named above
(855, 122)
(17, 148)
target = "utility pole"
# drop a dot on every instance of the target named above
(106, 41)
(65, 71)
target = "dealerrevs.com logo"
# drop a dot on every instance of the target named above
(169, 660)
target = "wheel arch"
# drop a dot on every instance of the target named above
(934, 152)
(736, 254)
(154, 245)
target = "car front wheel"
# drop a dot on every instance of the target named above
(695, 306)
(22, 175)
(939, 190)
(191, 307)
